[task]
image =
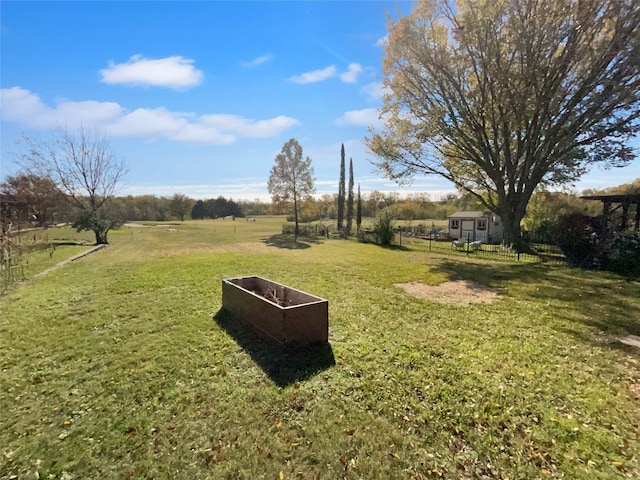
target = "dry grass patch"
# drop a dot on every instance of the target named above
(455, 292)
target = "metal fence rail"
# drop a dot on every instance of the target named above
(539, 252)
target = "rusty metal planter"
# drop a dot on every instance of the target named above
(283, 313)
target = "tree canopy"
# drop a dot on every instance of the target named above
(38, 194)
(500, 96)
(180, 205)
(291, 178)
(84, 169)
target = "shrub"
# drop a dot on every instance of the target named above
(623, 256)
(577, 238)
(383, 226)
(585, 244)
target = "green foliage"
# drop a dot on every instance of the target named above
(359, 211)
(587, 243)
(114, 367)
(341, 190)
(624, 255)
(349, 205)
(577, 236)
(198, 212)
(383, 227)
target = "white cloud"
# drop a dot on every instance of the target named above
(26, 108)
(351, 75)
(257, 61)
(315, 75)
(173, 72)
(245, 189)
(367, 117)
(248, 127)
(256, 188)
(375, 90)
(383, 41)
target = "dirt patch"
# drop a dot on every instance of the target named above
(631, 340)
(458, 292)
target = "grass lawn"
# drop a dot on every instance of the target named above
(122, 365)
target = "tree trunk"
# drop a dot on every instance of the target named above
(295, 217)
(101, 236)
(511, 217)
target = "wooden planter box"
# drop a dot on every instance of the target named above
(283, 313)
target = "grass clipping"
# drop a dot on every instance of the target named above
(457, 292)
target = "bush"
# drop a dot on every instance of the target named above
(585, 245)
(577, 238)
(383, 227)
(624, 255)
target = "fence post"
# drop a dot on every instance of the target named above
(468, 243)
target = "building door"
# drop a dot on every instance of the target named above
(467, 231)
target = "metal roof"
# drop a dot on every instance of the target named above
(622, 198)
(470, 214)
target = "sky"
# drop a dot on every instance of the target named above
(198, 97)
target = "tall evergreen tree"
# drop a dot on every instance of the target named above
(350, 198)
(358, 212)
(341, 190)
(198, 211)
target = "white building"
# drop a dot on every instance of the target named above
(484, 227)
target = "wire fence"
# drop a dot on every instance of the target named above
(537, 252)
(423, 238)
(11, 262)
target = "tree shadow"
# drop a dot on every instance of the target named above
(400, 248)
(290, 242)
(284, 364)
(604, 300)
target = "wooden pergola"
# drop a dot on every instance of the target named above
(626, 203)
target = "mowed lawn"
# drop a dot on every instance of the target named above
(122, 365)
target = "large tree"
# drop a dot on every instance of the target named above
(199, 210)
(500, 96)
(181, 205)
(38, 194)
(341, 190)
(291, 178)
(84, 169)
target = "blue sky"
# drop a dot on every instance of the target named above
(199, 97)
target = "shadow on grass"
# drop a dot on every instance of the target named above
(289, 241)
(283, 364)
(605, 301)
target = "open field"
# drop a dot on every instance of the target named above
(122, 365)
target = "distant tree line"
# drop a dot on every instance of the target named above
(28, 199)
(219, 207)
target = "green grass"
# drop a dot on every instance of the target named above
(122, 365)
